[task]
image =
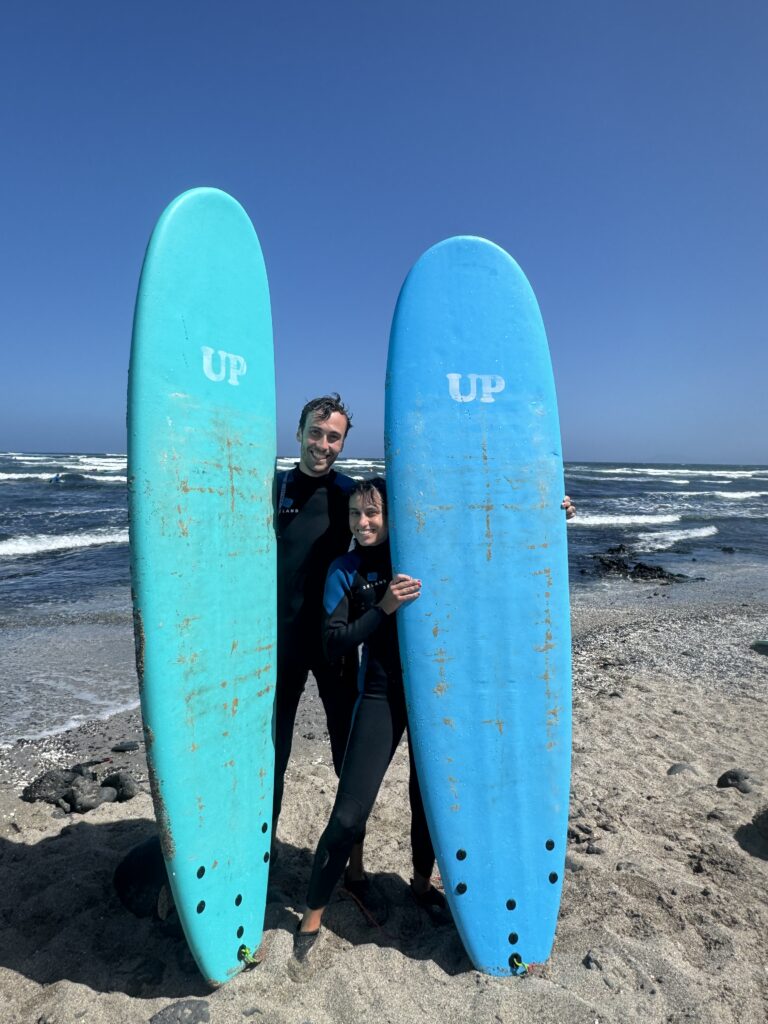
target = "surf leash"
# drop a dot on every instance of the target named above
(250, 959)
(366, 912)
(519, 967)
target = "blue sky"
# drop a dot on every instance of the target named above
(617, 150)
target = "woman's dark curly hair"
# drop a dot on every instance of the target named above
(367, 488)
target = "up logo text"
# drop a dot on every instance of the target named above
(218, 365)
(490, 384)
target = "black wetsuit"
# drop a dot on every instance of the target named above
(312, 525)
(356, 583)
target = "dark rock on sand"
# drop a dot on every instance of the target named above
(186, 1011)
(643, 571)
(612, 565)
(736, 778)
(85, 794)
(681, 766)
(52, 786)
(77, 788)
(124, 784)
(125, 747)
(608, 565)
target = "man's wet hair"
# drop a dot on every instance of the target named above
(325, 406)
(367, 488)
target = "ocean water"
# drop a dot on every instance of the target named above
(66, 646)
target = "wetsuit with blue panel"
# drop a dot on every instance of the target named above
(312, 526)
(356, 583)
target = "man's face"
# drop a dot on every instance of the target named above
(321, 442)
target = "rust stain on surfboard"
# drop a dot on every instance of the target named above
(495, 721)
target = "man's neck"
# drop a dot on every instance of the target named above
(313, 476)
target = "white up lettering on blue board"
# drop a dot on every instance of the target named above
(490, 384)
(237, 366)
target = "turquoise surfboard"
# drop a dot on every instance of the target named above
(201, 455)
(475, 481)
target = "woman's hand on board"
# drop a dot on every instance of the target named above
(570, 508)
(402, 590)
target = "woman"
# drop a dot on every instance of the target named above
(361, 600)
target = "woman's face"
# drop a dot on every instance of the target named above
(367, 520)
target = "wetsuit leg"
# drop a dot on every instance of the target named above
(337, 686)
(376, 731)
(292, 672)
(422, 851)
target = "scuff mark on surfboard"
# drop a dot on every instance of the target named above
(138, 643)
(552, 725)
(231, 470)
(548, 645)
(440, 660)
(186, 622)
(487, 507)
(186, 488)
(453, 784)
(495, 721)
(161, 814)
(182, 523)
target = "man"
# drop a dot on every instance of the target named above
(312, 525)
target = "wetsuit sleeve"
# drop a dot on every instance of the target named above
(340, 636)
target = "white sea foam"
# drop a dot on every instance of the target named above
(89, 715)
(43, 542)
(361, 462)
(723, 495)
(665, 539)
(724, 474)
(18, 457)
(96, 464)
(106, 479)
(606, 519)
(97, 477)
(348, 466)
(600, 477)
(25, 476)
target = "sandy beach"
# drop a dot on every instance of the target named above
(665, 904)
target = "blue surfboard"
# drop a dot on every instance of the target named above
(475, 481)
(201, 455)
